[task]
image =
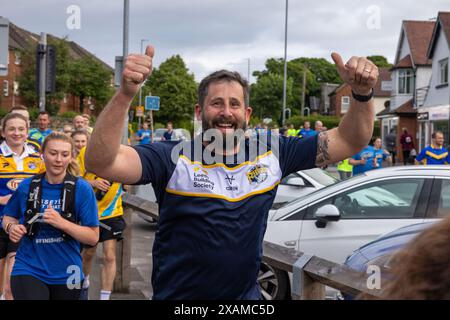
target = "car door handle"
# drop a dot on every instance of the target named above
(290, 243)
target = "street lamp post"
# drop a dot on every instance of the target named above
(285, 66)
(140, 89)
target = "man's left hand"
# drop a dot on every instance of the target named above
(359, 72)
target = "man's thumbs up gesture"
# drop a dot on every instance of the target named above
(137, 68)
(360, 73)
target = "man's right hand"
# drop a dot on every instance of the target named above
(136, 70)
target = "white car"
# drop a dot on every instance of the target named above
(336, 220)
(301, 183)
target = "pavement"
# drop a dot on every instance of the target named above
(143, 235)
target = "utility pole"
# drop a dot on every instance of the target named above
(126, 10)
(140, 89)
(42, 66)
(285, 66)
(303, 92)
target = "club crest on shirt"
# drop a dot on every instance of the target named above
(32, 165)
(257, 174)
(13, 184)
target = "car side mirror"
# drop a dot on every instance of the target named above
(295, 182)
(325, 214)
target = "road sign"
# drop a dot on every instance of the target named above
(4, 46)
(139, 111)
(152, 103)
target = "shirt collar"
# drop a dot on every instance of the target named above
(6, 150)
(434, 147)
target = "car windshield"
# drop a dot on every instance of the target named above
(336, 183)
(321, 176)
(159, 132)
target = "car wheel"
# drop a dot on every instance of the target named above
(274, 283)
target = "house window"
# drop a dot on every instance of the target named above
(16, 88)
(5, 88)
(345, 104)
(405, 81)
(443, 71)
(17, 58)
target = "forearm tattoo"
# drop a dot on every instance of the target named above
(322, 149)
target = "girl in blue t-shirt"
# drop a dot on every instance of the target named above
(48, 264)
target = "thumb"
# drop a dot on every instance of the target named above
(338, 61)
(150, 51)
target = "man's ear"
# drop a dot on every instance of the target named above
(248, 114)
(198, 112)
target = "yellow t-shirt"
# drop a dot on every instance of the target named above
(110, 206)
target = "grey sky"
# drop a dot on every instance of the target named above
(213, 34)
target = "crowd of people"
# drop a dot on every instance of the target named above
(55, 209)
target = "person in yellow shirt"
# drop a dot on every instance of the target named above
(345, 169)
(112, 225)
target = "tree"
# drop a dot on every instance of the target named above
(380, 61)
(318, 70)
(27, 80)
(89, 78)
(176, 88)
(266, 96)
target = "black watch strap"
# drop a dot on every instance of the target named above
(362, 98)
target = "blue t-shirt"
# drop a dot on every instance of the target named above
(47, 256)
(39, 135)
(367, 153)
(212, 217)
(146, 134)
(380, 155)
(432, 155)
(307, 133)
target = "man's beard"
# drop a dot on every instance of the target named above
(227, 141)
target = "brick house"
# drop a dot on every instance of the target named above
(21, 39)
(341, 98)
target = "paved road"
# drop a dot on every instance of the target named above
(141, 258)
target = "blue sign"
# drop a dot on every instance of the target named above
(151, 103)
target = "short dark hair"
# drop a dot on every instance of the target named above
(44, 113)
(220, 76)
(433, 135)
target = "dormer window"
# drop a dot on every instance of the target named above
(443, 71)
(405, 81)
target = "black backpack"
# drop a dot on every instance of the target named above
(35, 198)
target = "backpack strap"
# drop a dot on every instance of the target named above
(68, 201)
(35, 199)
(33, 204)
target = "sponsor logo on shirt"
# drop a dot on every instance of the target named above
(230, 180)
(13, 184)
(257, 174)
(5, 164)
(201, 179)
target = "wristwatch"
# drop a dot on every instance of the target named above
(362, 98)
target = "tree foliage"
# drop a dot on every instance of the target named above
(266, 96)
(176, 88)
(380, 61)
(85, 77)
